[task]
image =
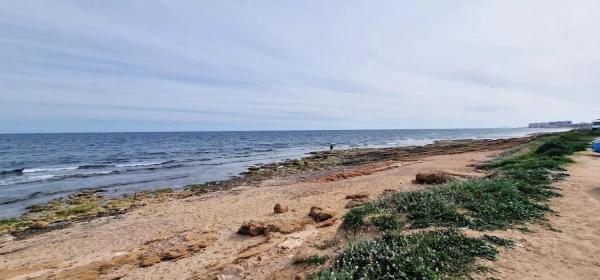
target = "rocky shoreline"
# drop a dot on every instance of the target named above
(285, 220)
(88, 205)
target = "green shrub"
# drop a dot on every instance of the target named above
(426, 255)
(314, 260)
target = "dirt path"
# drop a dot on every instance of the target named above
(570, 248)
(195, 237)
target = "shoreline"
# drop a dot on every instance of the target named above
(41, 183)
(59, 213)
(196, 237)
(232, 230)
(277, 221)
(92, 203)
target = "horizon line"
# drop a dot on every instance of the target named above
(267, 130)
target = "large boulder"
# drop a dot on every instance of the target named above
(436, 177)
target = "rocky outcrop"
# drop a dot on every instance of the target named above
(254, 228)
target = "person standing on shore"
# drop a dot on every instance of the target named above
(331, 145)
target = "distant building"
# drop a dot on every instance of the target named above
(551, 124)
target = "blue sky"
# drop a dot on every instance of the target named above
(70, 66)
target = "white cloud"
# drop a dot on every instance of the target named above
(292, 65)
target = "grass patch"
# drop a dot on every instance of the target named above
(426, 255)
(314, 260)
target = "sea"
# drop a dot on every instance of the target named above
(36, 168)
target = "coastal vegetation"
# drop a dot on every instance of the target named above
(75, 207)
(516, 192)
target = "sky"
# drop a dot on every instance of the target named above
(83, 66)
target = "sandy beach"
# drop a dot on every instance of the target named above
(196, 236)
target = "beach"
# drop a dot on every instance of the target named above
(197, 233)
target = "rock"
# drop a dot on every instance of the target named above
(253, 168)
(355, 203)
(119, 254)
(278, 209)
(319, 214)
(388, 192)
(252, 228)
(433, 178)
(149, 260)
(39, 225)
(357, 195)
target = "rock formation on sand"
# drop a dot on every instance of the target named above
(320, 214)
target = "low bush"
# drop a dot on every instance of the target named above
(426, 255)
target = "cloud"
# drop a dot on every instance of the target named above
(230, 65)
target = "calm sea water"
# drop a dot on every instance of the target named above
(36, 168)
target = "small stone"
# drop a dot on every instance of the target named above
(319, 214)
(278, 209)
(357, 195)
(39, 225)
(252, 228)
